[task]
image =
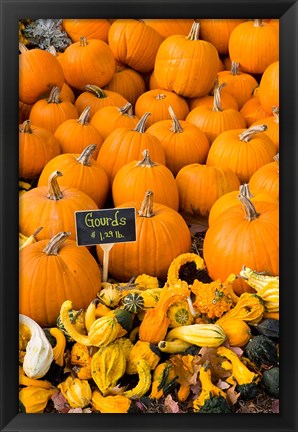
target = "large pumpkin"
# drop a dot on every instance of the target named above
(266, 179)
(88, 62)
(242, 150)
(218, 32)
(52, 208)
(169, 27)
(124, 145)
(37, 147)
(135, 178)
(243, 235)
(186, 65)
(74, 135)
(90, 28)
(52, 271)
(269, 87)
(162, 235)
(134, 44)
(80, 171)
(39, 71)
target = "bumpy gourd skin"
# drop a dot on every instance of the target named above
(164, 379)
(215, 405)
(143, 386)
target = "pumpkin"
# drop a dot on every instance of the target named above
(238, 83)
(108, 118)
(199, 186)
(127, 82)
(254, 44)
(227, 100)
(53, 208)
(169, 27)
(135, 44)
(183, 142)
(252, 111)
(90, 28)
(39, 71)
(218, 31)
(269, 87)
(77, 276)
(272, 123)
(241, 150)
(124, 145)
(186, 56)
(67, 94)
(266, 179)
(80, 172)
(135, 178)
(37, 146)
(157, 102)
(215, 120)
(156, 223)
(244, 234)
(51, 112)
(97, 98)
(24, 111)
(88, 61)
(237, 331)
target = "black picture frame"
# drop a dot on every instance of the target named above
(10, 12)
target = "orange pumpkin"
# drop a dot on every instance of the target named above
(135, 178)
(37, 146)
(74, 274)
(200, 186)
(213, 121)
(272, 123)
(252, 111)
(90, 28)
(24, 111)
(127, 82)
(226, 99)
(67, 93)
(80, 172)
(254, 44)
(39, 71)
(269, 87)
(111, 117)
(52, 208)
(75, 135)
(97, 98)
(157, 102)
(183, 142)
(88, 62)
(239, 84)
(186, 65)
(124, 145)
(169, 27)
(266, 179)
(243, 235)
(50, 113)
(134, 44)
(242, 150)
(162, 235)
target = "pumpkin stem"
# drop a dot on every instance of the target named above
(176, 126)
(235, 68)
(160, 96)
(245, 190)
(37, 231)
(146, 161)
(275, 112)
(127, 110)
(53, 187)
(140, 127)
(52, 50)
(84, 117)
(97, 91)
(146, 209)
(54, 96)
(276, 158)
(217, 102)
(54, 245)
(22, 48)
(248, 134)
(86, 155)
(250, 211)
(83, 41)
(194, 33)
(258, 23)
(26, 127)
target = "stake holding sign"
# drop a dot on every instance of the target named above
(105, 228)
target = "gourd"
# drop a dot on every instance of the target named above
(270, 381)
(80, 171)
(39, 353)
(261, 350)
(26, 241)
(210, 335)
(144, 383)
(211, 399)
(81, 359)
(237, 331)
(173, 276)
(179, 314)
(77, 276)
(176, 346)
(31, 382)
(268, 327)
(113, 404)
(59, 348)
(133, 303)
(77, 392)
(163, 380)
(35, 399)
(78, 319)
(249, 308)
(145, 351)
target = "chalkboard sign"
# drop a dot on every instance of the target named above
(117, 225)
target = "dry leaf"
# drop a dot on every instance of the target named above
(170, 405)
(80, 411)
(232, 395)
(60, 403)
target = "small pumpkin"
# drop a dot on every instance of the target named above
(266, 179)
(253, 112)
(272, 123)
(227, 100)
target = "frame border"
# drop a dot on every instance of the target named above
(10, 12)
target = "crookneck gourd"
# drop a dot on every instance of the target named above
(163, 380)
(177, 263)
(249, 308)
(113, 404)
(59, 348)
(143, 351)
(211, 335)
(35, 399)
(144, 383)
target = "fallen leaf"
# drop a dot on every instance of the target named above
(275, 406)
(79, 411)
(232, 395)
(170, 405)
(60, 403)
(223, 385)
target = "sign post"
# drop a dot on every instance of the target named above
(105, 228)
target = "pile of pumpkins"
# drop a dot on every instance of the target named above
(176, 118)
